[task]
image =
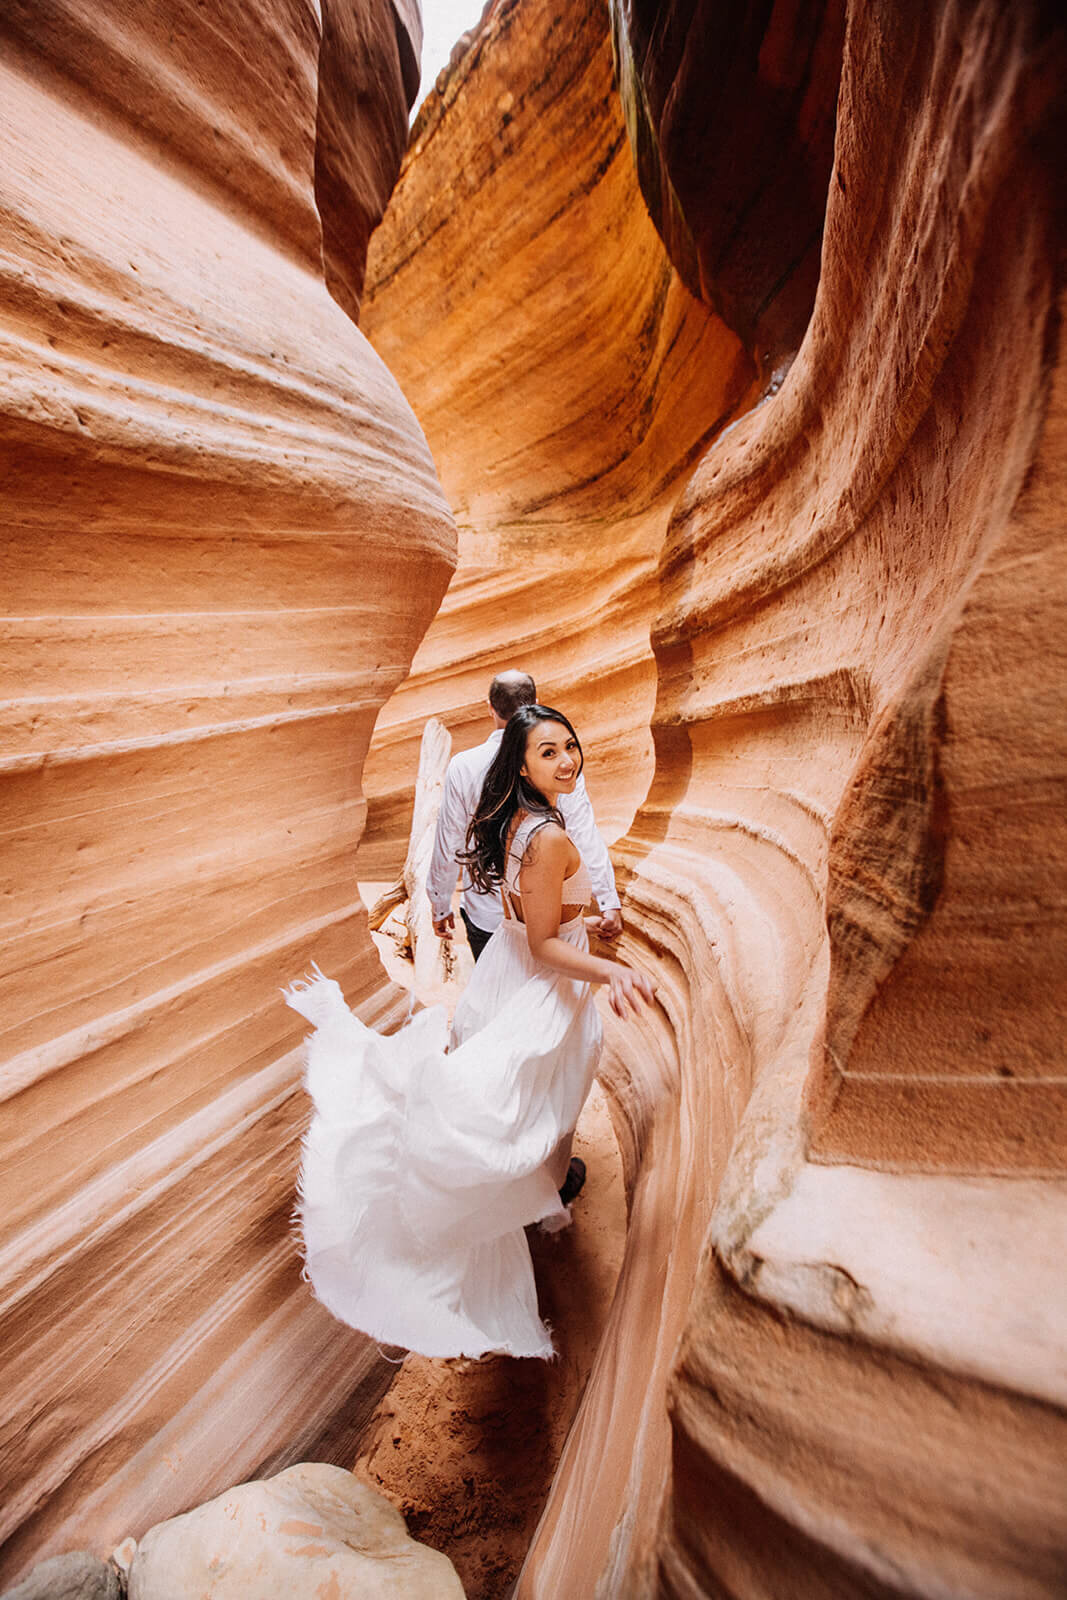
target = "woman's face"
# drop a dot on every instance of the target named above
(553, 760)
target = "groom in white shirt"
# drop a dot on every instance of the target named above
(482, 913)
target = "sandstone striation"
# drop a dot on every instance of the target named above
(844, 1129)
(841, 1128)
(565, 379)
(763, 485)
(223, 539)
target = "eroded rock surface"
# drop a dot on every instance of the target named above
(77, 1576)
(845, 1127)
(565, 379)
(731, 111)
(832, 1352)
(831, 1366)
(223, 538)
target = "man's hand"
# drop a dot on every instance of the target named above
(443, 926)
(610, 924)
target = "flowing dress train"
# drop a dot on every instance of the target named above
(425, 1157)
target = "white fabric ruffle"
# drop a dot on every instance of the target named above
(423, 1163)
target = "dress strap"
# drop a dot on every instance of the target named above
(520, 842)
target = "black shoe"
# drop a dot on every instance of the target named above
(572, 1183)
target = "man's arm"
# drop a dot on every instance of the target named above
(449, 837)
(581, 825)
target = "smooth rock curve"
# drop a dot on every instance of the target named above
(843, 1128)
(566, 381)
(223, 539)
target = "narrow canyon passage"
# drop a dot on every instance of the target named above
(467, 1450)
(706, 362)
(565, 380)
(750, 481)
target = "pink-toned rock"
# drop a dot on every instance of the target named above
(845, 1126)
(223, 539)
(565, 379)
(832, 1364)
(314, 1531)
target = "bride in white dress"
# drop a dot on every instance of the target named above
(428, 1155)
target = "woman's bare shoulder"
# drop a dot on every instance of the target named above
(547, 844)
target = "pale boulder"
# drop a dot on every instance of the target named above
(314, 1531)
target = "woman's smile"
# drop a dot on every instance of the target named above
(553, 759)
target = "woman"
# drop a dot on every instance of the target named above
(423, 1165)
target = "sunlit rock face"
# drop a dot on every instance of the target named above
(223, 539)
(566, 381)
(833, 1366)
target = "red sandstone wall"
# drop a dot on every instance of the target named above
(565, 380)
(831, 1363)
(223, 539)
(844, 1130)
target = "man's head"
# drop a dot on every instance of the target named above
(507, 692)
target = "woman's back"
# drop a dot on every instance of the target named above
(577, 888)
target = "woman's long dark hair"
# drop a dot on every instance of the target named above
(504, 792)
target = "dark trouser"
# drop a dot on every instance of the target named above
(477, 937)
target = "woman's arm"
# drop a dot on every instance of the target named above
(544, 868)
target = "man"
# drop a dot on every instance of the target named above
(482, 913)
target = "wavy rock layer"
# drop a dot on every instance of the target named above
(843, 1129)
(565, 379)
(223, 540)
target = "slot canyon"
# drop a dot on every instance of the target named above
(704, 360)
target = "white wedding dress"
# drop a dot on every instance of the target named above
(425, 1157)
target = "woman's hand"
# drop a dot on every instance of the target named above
(626, 988)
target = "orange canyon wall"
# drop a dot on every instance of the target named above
(566, 381)
(845, 1127)
(819, 652)
(223, 539)
(831, 1367)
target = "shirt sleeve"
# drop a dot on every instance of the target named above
(581, 825)
(448, 839)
